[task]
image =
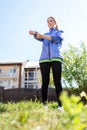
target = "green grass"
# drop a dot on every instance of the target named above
(28, 115)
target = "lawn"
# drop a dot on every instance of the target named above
(29, 115)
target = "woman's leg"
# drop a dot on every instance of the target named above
(57, 70)
(45, 72)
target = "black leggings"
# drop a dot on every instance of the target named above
(45, 72)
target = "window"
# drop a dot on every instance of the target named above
(31, 75)
(0, 71)
(30, 85)
(1, 82)
(25, 75)
(13, 70)
(30, 79)
(10, 83)
(25, 85)
(5, 83)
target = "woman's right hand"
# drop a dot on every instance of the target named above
(32, 32)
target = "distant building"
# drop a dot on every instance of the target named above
(31, 77)
(10, 74)
(20, 74)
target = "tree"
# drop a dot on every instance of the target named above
(75, 66)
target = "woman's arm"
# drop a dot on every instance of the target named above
(38, 35)
(55, 38)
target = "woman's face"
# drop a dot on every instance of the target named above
(51, 23)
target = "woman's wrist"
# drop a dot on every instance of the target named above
(42, 36)
(35, 32)
(46, 37)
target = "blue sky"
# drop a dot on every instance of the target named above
(17, 17)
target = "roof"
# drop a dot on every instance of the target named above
(10, 63)
(33, 64)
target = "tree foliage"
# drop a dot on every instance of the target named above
(75, 66)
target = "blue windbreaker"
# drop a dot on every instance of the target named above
(51, 48)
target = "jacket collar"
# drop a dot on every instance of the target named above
(52, 29)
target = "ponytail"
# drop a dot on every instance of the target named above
(56, 27)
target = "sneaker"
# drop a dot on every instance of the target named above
(60, 108)
(45, 107)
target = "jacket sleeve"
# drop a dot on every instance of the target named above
(57, 37)
(39, 39)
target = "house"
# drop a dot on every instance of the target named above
(25, 75)
(31, 77)
(10, 74)
(20, 75)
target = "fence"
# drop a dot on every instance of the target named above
(1, 93)
(19, 94)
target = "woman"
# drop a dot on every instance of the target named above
(50, 57)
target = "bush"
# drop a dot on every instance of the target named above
(75, 67)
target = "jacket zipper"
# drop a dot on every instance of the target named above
(49, 50)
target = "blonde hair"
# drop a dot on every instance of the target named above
(57, 28)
